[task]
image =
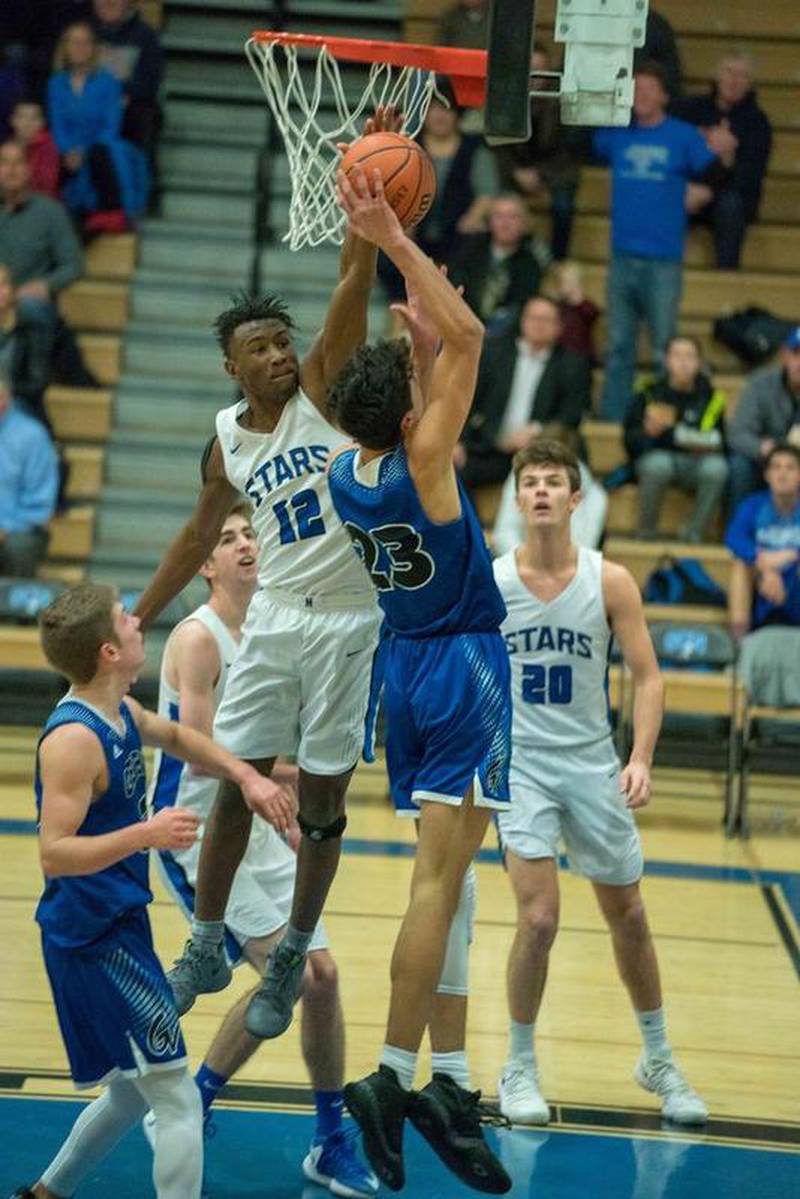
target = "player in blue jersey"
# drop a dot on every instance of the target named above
(442, 663)
(114, 1005)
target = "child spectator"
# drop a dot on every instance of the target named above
(107, 178)
(578, 314)
(674, 434)
(30, 130)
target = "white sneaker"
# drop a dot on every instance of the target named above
(679, 1102)
(521, 1101)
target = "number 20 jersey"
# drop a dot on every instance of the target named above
(558, 653)
(432, 579)
(302, 545)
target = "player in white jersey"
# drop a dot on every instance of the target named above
(194, 670)
(300, 683)
(564, 604)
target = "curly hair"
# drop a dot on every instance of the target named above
(372, 394)
(245, 308)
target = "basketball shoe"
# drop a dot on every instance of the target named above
(679, 1102)
(332, 1162)
(449, 1118)
(269, 1012)
(198, 972)
(378, 1105)
(23, 1193)
(521, 1101)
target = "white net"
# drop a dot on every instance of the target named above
(313, 112)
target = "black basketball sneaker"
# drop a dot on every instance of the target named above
(378, 1105)
(449, 1118)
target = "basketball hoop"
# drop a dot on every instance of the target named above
(402, 75)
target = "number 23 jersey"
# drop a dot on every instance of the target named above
(302, 545)
(558, 653)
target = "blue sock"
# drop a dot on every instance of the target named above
(209, 1084)
(330, 1106)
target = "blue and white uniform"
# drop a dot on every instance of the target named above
(564, 768)
(114, 1004)
(442, 661)
(261, 895)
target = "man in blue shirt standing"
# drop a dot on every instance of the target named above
(764, 536)
(28, 486)
(651, 162)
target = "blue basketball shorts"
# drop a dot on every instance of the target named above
(448, 715)
(114, 1005)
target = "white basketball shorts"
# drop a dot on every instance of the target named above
(572, 796)
(300, 682)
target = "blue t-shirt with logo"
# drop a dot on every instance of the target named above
(757, 525)
(650, 166)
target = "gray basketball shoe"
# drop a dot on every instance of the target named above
(198, 971)
(269, 1012)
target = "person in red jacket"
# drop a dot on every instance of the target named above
(30, 130)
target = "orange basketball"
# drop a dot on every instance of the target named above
(409, 180)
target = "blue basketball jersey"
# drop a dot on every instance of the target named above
(80, 909)
(432, 579)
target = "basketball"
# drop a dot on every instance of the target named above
(409, 180)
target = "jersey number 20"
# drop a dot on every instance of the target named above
(541, 685)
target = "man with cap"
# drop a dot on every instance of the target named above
(768, 412)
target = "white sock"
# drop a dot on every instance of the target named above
(403, 1062)
(207, 934)
(93, 1135)
(520, 1043)
(454, 1065)
(653, 1027)
(296, 939)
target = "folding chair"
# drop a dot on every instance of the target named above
(770, 735)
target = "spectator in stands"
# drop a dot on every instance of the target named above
(549, 162)
(730, 108)
(465, 24)
(587, 522)
(526, 380)
(768, 412)
(44, 160)
(498, 270)
(106, 182)
(661, 46)
(651, 161)
(466, 182)
(130, 49)
(28, 486)
(38, 244)
(26, 347)
(764, 537)
(674, 435)
(578, 313)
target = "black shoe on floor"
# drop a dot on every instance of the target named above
(23, 1193)
(378, 1105)
(449, 1118)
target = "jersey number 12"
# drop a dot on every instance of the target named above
(307, 516)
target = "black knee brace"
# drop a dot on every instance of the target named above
(324, 832)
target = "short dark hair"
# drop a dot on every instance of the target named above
(692, 340)
(245, 308)
(74, 626)
(546, 451)
(373, 393)
(783, 447)
(655, 71)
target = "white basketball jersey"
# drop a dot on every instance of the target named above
(174, 782)
(303, 546)
(559, 656)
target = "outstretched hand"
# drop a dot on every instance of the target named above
(385, 119)
(366, 208)
(418, 321)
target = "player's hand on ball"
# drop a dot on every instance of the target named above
(634, 783)
(270, 801)
(172, 828)
(385, 119)
(366, 208)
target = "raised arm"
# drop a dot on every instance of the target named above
(454, 374)
(626, 616)
(73, 770)
(194, 543)
(261, 794)
(345, 327)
